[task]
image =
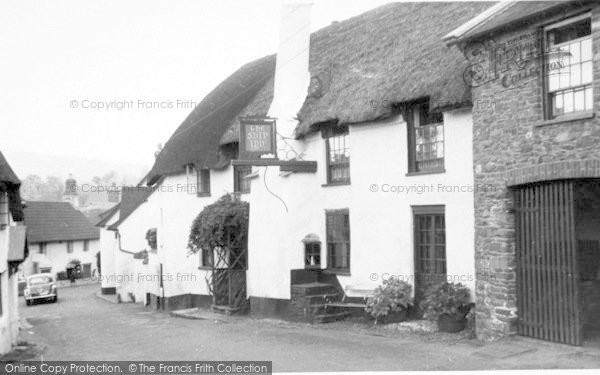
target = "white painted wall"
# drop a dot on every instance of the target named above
(108, 250)
(171, 210)
(9, 318)
(56, 256)
(380, 222)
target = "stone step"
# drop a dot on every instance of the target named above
(328, 318)
(323, 298)
(312, 289)
(227, 310)
(324, 308)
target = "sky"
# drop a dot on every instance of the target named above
(109, 80)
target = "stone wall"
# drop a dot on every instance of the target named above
(513, 144)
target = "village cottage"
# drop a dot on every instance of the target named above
(61, 240)
(377, 179)
(13, 250)
(537, 231)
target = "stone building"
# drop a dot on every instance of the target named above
(534, 70)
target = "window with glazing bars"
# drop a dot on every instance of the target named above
(204, 182)
(338, 239)
(312, 255)
(337, 141)
(569, 68)
(426, 139)
(430, 245)
(241, 184)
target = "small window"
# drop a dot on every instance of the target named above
(338, 240)
(45, 269)
(192, 179)
(240, 183)
(312, 255)
(86, 245)
(206, 258)
(426, 139)
(42, 248)
(337, 147)
(204, 182)
(69, 246)
(569, 67)
(4, 212)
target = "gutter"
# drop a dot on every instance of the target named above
(136, 254)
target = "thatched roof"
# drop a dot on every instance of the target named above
(196, 140)
(392, 54)
(10, 183)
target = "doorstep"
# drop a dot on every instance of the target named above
(203, 314)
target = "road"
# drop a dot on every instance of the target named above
(81, 326)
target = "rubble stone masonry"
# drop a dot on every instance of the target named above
(514, 144)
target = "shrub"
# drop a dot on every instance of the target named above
(62, 275)
(445, 298)
(392, 296)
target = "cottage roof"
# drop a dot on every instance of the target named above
(506, 14)
(10, 183)
(131, 199)
(57, 221)
(391, 54)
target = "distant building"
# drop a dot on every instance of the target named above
(13, 250)
(58, 235)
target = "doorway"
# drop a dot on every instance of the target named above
(558, 260)
(430, 248)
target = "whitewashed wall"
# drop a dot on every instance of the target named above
(108, 248)
(56, 256)
(9, 319)
(171, 210)
(380, 222)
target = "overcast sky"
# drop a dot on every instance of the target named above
(58, 56)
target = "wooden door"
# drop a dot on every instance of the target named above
(547, 275)
(430, 248)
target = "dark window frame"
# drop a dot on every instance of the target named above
(426, 121)
(42, 246)
(340, 136)
(70, 247)
(203, 182)
(312, 250)
(331, 242)
(206, 259)
(585, 88)
(86, 245)
(431, 242)
(241, 185)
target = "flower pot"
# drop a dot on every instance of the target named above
(396, 316)
(452, 323)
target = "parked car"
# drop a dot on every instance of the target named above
(22, 285)
(40, 286)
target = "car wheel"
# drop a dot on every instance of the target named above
(28, 302)
(55, 299)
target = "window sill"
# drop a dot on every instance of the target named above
(341, 183)
(203, 195)
(565, 119)
(337, 272)
(421, 173)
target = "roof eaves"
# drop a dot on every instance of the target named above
(459, 33)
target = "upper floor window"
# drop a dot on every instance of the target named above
(42, 248)
(337, 144)
(569, 66)
(425, 138)
(4, 211)
(198, 181)
(86, 245)
(69, 246)
(241, 184)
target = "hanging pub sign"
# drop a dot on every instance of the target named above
(257, 137)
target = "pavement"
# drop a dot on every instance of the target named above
(81, 326)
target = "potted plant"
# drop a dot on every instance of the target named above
(448, 303)
(390, 301)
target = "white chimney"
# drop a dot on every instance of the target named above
(292, 77)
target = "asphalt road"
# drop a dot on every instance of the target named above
(81, 326)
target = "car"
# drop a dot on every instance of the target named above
(40, 286)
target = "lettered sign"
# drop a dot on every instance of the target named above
(257, 137)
